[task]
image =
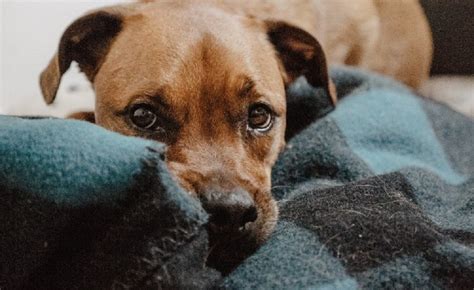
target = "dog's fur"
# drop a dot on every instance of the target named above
(201, 64)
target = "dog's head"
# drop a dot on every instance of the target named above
(210, 85)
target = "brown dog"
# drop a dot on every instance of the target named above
(208, 78)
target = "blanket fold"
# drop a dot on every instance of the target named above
(83, 207)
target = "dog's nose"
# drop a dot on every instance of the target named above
(230, 211)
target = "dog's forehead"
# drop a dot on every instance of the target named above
(164, 37)
(180, 49)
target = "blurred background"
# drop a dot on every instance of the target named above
(30, 32)
(29, 35)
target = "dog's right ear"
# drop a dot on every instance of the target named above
(86, 41)
(310, 92)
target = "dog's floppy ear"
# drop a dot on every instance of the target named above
(301, 55)
(85, 41)
(83, 116)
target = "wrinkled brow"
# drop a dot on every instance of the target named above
(247, 87)
(157, 96)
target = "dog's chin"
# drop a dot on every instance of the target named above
(229, 248)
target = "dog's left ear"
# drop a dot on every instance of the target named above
(301, 55)
(85, 41)
(83, 116)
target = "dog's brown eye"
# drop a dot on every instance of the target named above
(260, 118)
(143, 117)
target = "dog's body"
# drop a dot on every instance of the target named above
(389, 37)
(208, 78)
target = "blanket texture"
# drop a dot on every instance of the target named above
(379, 193)
(85, 208)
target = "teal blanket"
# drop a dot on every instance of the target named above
(379, 193)
(82, 208)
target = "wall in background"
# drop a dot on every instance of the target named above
(29, 35)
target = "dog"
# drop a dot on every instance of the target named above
(209, 79)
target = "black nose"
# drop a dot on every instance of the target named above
(232, 210)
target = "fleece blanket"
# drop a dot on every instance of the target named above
(85, 208)
(378, 193)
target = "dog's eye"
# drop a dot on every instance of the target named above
(143, 117)
(260, 118)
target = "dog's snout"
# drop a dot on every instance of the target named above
(230, 211)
